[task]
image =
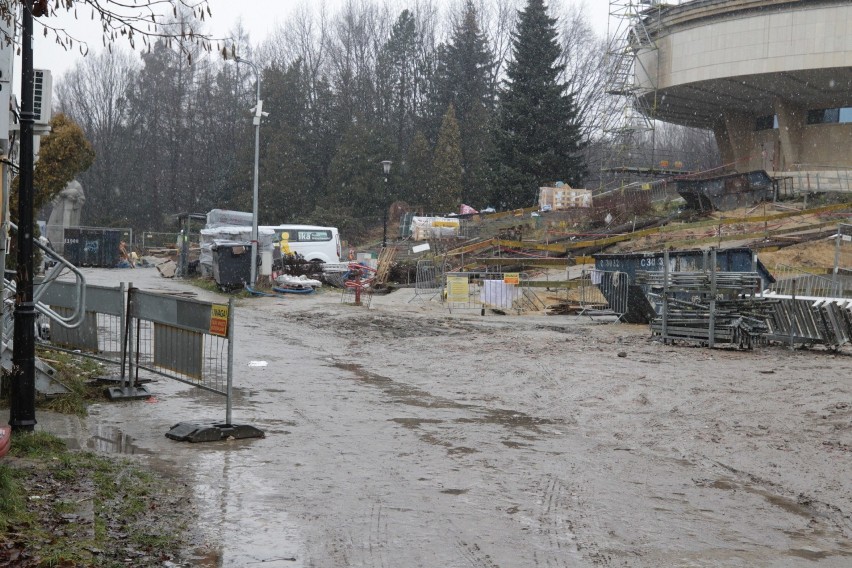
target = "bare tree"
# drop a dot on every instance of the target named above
(139, 22)
(94, 95)
(498, 23)
(305, 38)
(583, 55)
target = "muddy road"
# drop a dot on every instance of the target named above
(405, 436)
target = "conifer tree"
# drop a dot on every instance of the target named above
(418, 181)
(464, 79)
(538, 139)
(447, 166)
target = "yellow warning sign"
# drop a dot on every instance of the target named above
(457, 288)
(512, 278)
(219, 320)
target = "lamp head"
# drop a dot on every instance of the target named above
(386, 164)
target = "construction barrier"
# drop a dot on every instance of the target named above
(495, 290)
(604, 293)
(428, 280)
(789, 280)
(809, 321)
(184, 339)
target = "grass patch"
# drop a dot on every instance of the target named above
(73, 371)
(70, 509)
(11, 499)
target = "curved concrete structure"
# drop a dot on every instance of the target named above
(772, 78)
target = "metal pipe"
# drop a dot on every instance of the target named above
(258, 114)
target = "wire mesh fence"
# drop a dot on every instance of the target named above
(183, 339)
(498, 291)
(428, 281)
(795, 281)
(604, 293)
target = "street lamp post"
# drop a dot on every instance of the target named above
(258, 115)
(22, 402)
(386, 165)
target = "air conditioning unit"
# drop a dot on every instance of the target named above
(42, 95)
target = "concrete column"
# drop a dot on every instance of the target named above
(723, 141)
(791, 126)
(739, 127)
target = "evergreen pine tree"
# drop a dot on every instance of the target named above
(399, 80)
(447, 166)
(538, 139)
(418, 181)
(463, 79)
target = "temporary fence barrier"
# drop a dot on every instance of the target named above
(790, 280)
(101, 331)
(183, 339)
(498, 290)
(825, 321)
(842, 273)
(604, 293)
(713, 314)
(428, 280)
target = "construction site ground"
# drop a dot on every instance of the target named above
(791, 233)
(403, 435)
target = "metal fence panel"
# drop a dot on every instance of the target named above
(185, 313)
(179, 350)
(428, 281)
(101, 329)
(604, 292)
(496, 290)
(184, 339)
(790, 280)
(187, 340)
(84, 337)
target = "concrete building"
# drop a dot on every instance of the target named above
(771, 78)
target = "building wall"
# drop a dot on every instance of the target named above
(723, 64)
(800, 37)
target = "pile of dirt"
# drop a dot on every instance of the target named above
(818, 255)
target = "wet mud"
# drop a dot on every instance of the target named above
(405, 436)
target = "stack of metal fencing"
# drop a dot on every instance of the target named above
(733, 323)
(707, 319)
(809, 321)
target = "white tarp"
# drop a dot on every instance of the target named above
(423, 228)
(498, 293)
(225, 218)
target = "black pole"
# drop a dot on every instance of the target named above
(385, 217)
(22, 417)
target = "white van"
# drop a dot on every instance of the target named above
(312, 242)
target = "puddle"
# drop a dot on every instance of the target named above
(808, 554)
(412, 396)
(784, 503)
(112, 441)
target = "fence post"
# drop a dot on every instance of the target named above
(230, 379)
(711, 335)
(665, 296)
(834, 277)
(123, 327)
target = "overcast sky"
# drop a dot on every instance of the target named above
(259, 17)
